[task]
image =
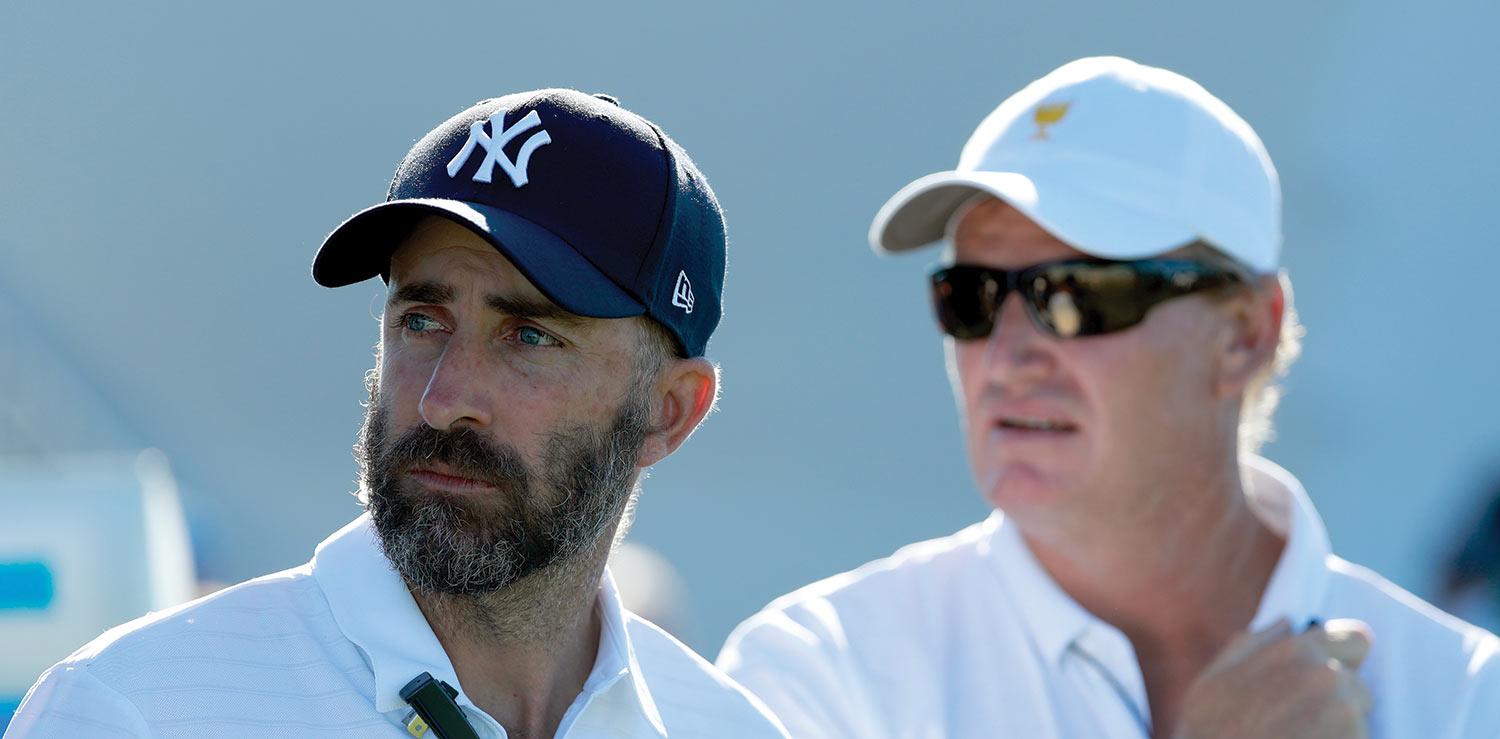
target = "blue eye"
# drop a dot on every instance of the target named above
(418, 323)
(532, 336)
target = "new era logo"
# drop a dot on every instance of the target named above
(682, 294)
(494, 148)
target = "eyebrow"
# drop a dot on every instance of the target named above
(422, 292)
(531, 309)
(437, 293)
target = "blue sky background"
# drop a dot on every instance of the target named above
(170, 168)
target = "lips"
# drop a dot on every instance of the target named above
(446, 478)
(1033, 416)
(1036, 424)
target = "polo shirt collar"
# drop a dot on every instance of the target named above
(1299, 584)
(376, 611)
(1057, 622)
(616, 663)
(1053, 619)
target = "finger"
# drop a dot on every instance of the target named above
(1352, 689)
(1362, 695)
(1348, 641)
(1249, 642)
(1345, 640)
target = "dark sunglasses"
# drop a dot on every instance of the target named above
(1075, 297)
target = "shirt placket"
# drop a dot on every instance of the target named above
(1102, 669)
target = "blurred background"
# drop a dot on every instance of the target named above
(167, 171)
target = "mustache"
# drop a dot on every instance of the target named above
(464, 450)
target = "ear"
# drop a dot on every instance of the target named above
(1254, 331)
(686, 391)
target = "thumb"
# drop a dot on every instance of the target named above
(1348, 641)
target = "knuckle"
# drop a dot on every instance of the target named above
(1286, 649)
(1323, 679)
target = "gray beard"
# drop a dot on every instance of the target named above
(536, 520)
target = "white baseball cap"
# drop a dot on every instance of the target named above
(1118, 159)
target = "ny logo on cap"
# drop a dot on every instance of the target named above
(494, 148)
(682, 294)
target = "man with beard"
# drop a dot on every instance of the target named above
(1114, 311)
(554, 266)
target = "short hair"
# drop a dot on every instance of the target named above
(1263, 394)
(656, 348)
(659, 347)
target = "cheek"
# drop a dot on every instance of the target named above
(402, 380)
(968, 362)
(1182, 346)
(1141, 380)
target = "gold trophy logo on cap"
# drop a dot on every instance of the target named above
(1047, 115)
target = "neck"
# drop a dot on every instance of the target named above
(1179, 578)
(522, 653)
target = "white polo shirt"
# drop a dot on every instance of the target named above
(967, 636)
(324, 649)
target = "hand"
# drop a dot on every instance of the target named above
(1278, 684)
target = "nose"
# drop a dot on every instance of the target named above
(456, 392)
(1016, 351)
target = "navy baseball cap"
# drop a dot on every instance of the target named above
(595, 205)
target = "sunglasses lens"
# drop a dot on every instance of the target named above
(1063, 315)
(1069, 298)
(964, 300)
(1087, 299)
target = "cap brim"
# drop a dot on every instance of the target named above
(361, 248)
(918, 215)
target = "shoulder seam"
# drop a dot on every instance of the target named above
(83, 671)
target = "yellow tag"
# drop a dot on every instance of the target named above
(416, 727)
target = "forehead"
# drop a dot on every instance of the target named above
(993, 234)
(439, 250)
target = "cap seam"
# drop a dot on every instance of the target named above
(659, 241)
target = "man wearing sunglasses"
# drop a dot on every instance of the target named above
(1115, 318)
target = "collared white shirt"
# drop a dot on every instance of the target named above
(967, 636)
(324, 649)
